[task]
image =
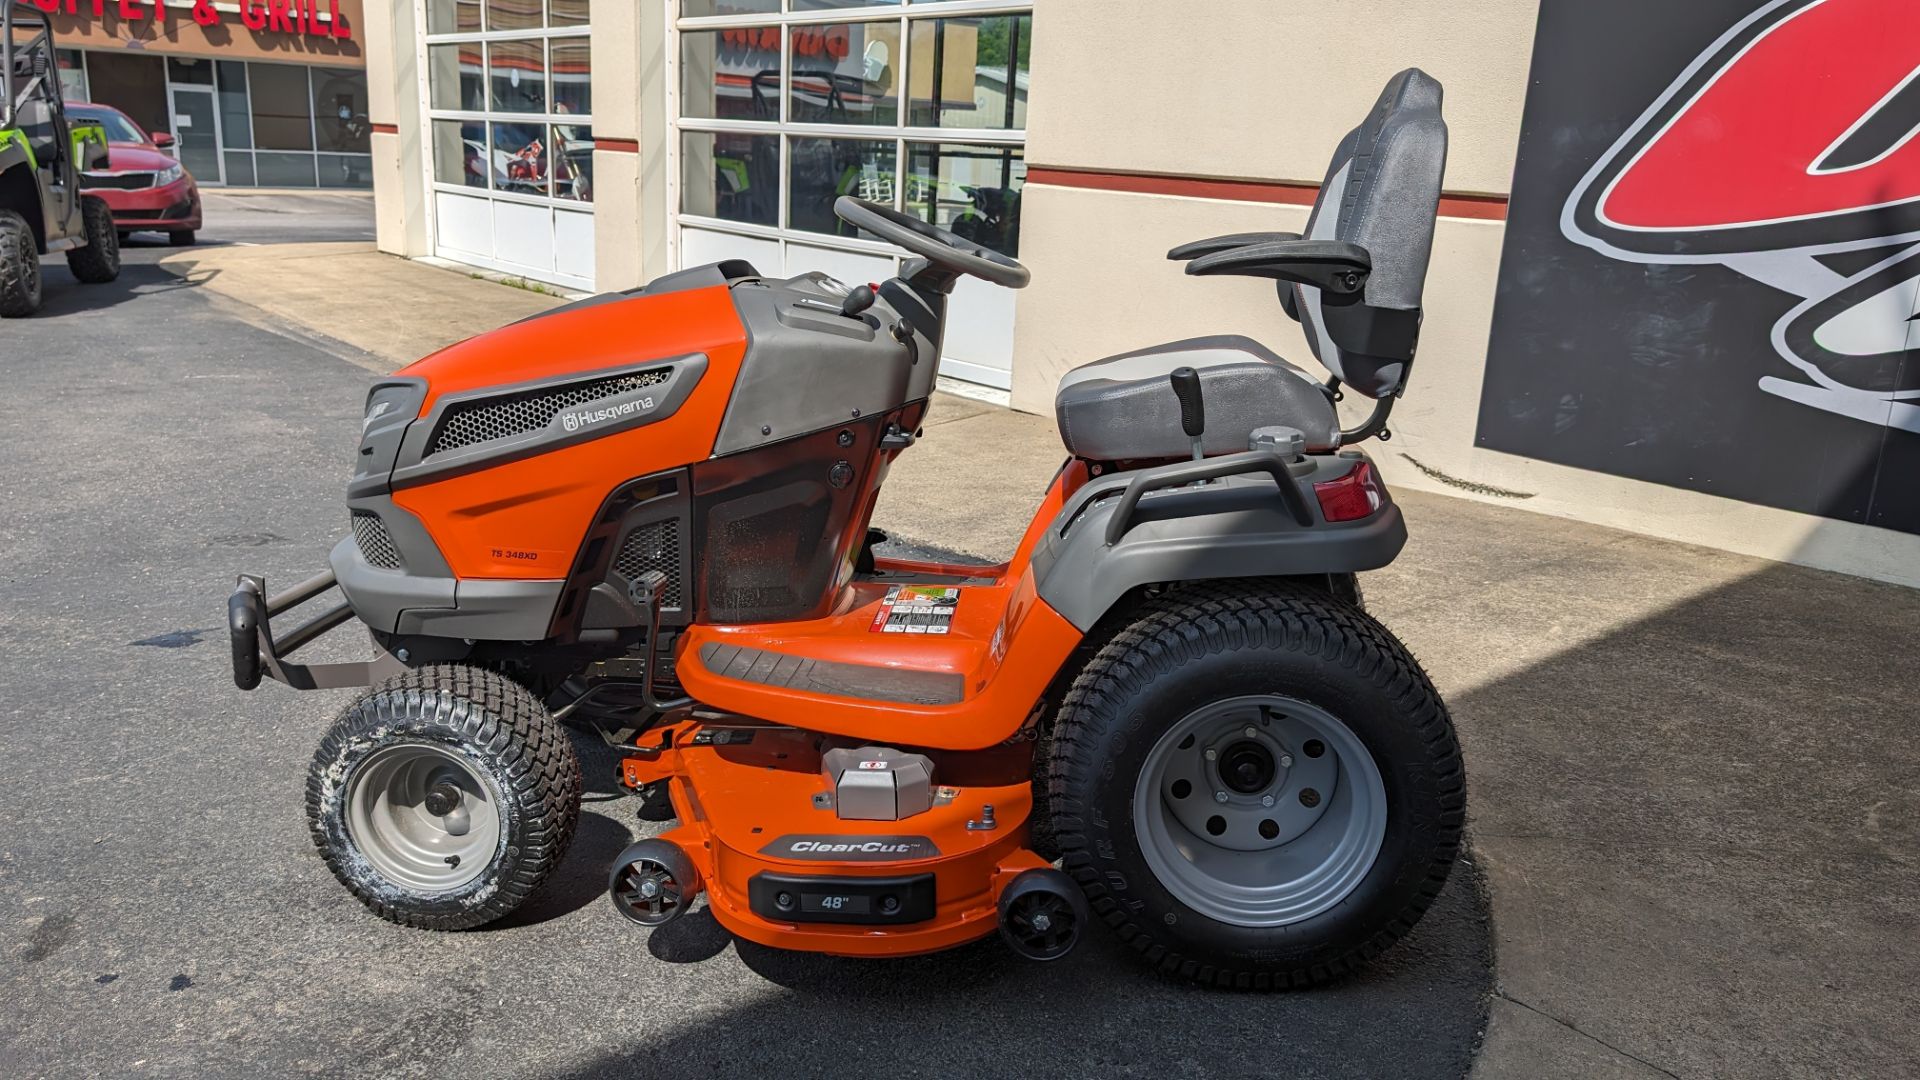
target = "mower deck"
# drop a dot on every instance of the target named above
(780, 866)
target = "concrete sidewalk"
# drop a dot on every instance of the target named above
(1692, 783)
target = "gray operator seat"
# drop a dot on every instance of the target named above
(1123, 408)
(1353, 281)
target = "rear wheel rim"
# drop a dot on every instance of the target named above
(1260, 811)
(394, 799)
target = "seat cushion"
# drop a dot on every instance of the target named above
(1123, 407)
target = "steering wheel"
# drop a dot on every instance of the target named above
(932, 243)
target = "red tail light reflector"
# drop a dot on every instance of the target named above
(1352, 497)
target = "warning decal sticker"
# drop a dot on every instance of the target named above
(916, 609)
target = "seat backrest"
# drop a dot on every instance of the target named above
(1382, 191)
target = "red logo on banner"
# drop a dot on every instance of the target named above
(1795, 135)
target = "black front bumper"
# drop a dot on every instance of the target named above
(255, 651)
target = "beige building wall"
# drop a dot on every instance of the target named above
(400, 203)
(1259, 90)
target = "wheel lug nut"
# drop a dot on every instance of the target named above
(1286, 761)
(1266, 800)
(1251, 733)
(1219, 796)
(1212, 753)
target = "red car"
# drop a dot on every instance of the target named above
(145, 187)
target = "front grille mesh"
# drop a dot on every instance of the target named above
(126, 181)
(370, 533)
(653, 546)
(502, 417)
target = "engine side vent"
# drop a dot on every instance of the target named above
(376, 546)
(654, 546)
(488, 419)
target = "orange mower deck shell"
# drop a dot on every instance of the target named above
(735, 801)
(525, 519)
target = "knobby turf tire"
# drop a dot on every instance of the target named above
(1217, 640)
(99, 261)
(500, 728)
(19, 268)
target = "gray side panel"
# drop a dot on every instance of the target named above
(489, 610)
(1231, 528)
(808, 369)
(380, 596)
(827, 677)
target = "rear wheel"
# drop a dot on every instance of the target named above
(443, 797)
(99, 261)
(19, 268)
(1256, 786)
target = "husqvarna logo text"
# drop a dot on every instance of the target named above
(575, 419)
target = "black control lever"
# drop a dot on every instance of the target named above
(1193, 411)
(857, 300)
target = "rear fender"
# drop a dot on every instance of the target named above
(1232, 527)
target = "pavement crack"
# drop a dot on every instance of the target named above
(1509, 998)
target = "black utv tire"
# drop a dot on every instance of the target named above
(19, 268)
(1201, 644)
(502, 737)
(99, 261)
(182, 238)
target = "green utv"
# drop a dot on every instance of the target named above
(42, 209)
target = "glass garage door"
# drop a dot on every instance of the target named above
(782, 107)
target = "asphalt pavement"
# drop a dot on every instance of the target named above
(162, 912)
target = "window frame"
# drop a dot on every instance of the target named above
(905, 14)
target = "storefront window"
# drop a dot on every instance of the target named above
(340, 111)
(731, 176)
(454, 76)
(73, 74)
(236, 126)
(518, 71)
(572, 76)
(567, 12)
(731, 74)
(189, 71)
(513, 14)
(700, 8)
(453, 16)
(825, 169)
(460, 153)
(964, 65)
(281, 109)
(973, 191)
(845, 73)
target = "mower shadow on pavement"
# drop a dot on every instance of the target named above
(980, 1010)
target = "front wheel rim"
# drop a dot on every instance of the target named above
(423, 816)
(1260, 811)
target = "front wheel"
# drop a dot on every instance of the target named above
(182, 237)
(19, 268)
(443, 797)
(99, 261)
(1256, 785)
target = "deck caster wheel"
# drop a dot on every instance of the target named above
(1041, 914)
(653, 882)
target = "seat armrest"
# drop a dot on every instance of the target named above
(1333, 266)
(1197, 248)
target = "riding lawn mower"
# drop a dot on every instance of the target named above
(1168, 712)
